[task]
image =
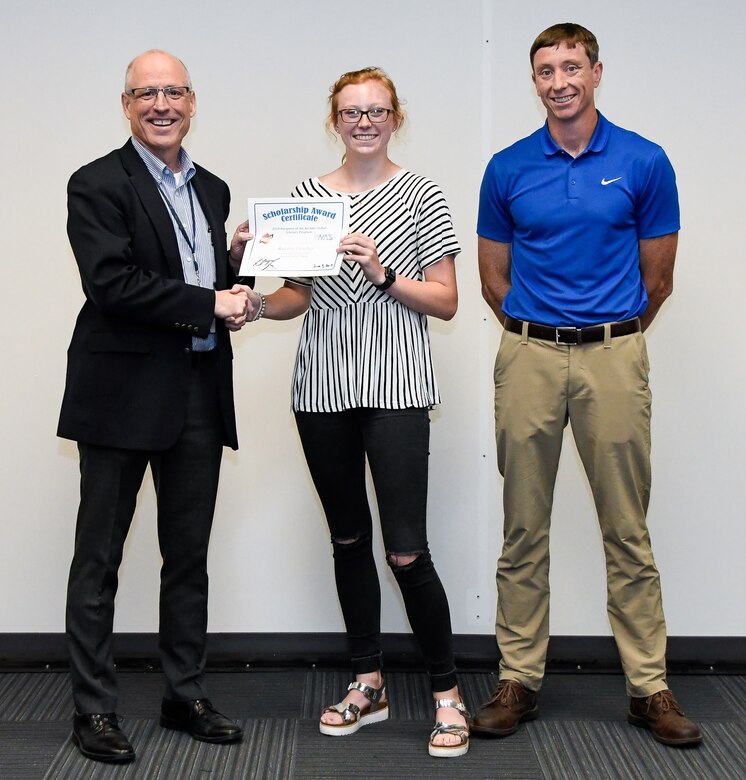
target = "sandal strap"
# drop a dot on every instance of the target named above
(453, 704)
(462, 732)
(373, 695)
(350, 713)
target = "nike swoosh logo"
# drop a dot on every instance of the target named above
(604, 182)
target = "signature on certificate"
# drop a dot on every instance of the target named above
(266, 263)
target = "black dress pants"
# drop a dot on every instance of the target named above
(186, 481)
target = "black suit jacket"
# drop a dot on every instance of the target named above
(130, 357)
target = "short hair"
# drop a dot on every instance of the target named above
(567, 32)
(360, 77)
(128, 72)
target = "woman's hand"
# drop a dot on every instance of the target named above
(361, 249)
(435, 295)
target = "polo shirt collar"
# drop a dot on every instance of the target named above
(598, 141)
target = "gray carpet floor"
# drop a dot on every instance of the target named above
(582, 732)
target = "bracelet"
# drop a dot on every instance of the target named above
(262, 307)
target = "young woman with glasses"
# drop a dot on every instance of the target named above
(362, 388)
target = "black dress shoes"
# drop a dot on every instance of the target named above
(99, 737)
(199, 719)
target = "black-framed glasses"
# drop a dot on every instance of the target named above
(151, 93)
(354, 115)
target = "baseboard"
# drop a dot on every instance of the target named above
(717, 655)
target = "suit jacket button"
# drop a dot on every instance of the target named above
(187, 350)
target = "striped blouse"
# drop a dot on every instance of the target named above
(360, 347)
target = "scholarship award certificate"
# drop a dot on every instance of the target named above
(295, 236)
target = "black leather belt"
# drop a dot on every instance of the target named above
(573, 336)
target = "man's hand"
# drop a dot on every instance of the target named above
(232, 306)
(657, 256)
(238, 244)
(494, 271)
(253, 303)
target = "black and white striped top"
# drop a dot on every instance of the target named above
(360, 347)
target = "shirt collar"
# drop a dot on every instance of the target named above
(598, 141)
(158, 169)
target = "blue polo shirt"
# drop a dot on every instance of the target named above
(574, 223)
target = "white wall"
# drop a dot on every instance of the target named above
(262, 72)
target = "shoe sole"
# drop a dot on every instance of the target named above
(443, 751)
(105, 758)
(641, 723)
(345, 731)
(175, 726)
(488, 732)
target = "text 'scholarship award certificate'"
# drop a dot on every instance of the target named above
(295, 236)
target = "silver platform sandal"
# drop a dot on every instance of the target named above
(461, 747)
(352, 717)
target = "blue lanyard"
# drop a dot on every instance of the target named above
(193, 243)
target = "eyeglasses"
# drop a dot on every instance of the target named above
(151, 93)
(354, 115)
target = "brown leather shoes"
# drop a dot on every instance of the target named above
(666, 720)
(511, 703)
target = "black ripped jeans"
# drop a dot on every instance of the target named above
(396, 443)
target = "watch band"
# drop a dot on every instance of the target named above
(388, 279)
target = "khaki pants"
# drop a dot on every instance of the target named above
(602, 389)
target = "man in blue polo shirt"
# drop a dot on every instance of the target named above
(577, 229)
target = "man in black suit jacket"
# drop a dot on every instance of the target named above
(149, 381)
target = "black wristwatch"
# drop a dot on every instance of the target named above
(388, 279)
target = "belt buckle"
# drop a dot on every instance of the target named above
(568, 336)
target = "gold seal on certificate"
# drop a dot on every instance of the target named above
(295, 236)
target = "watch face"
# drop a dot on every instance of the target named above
(388, 279)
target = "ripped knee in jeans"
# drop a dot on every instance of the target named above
(351, 547)
(403, 561)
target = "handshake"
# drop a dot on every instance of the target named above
(240, 304)
(237, 306)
